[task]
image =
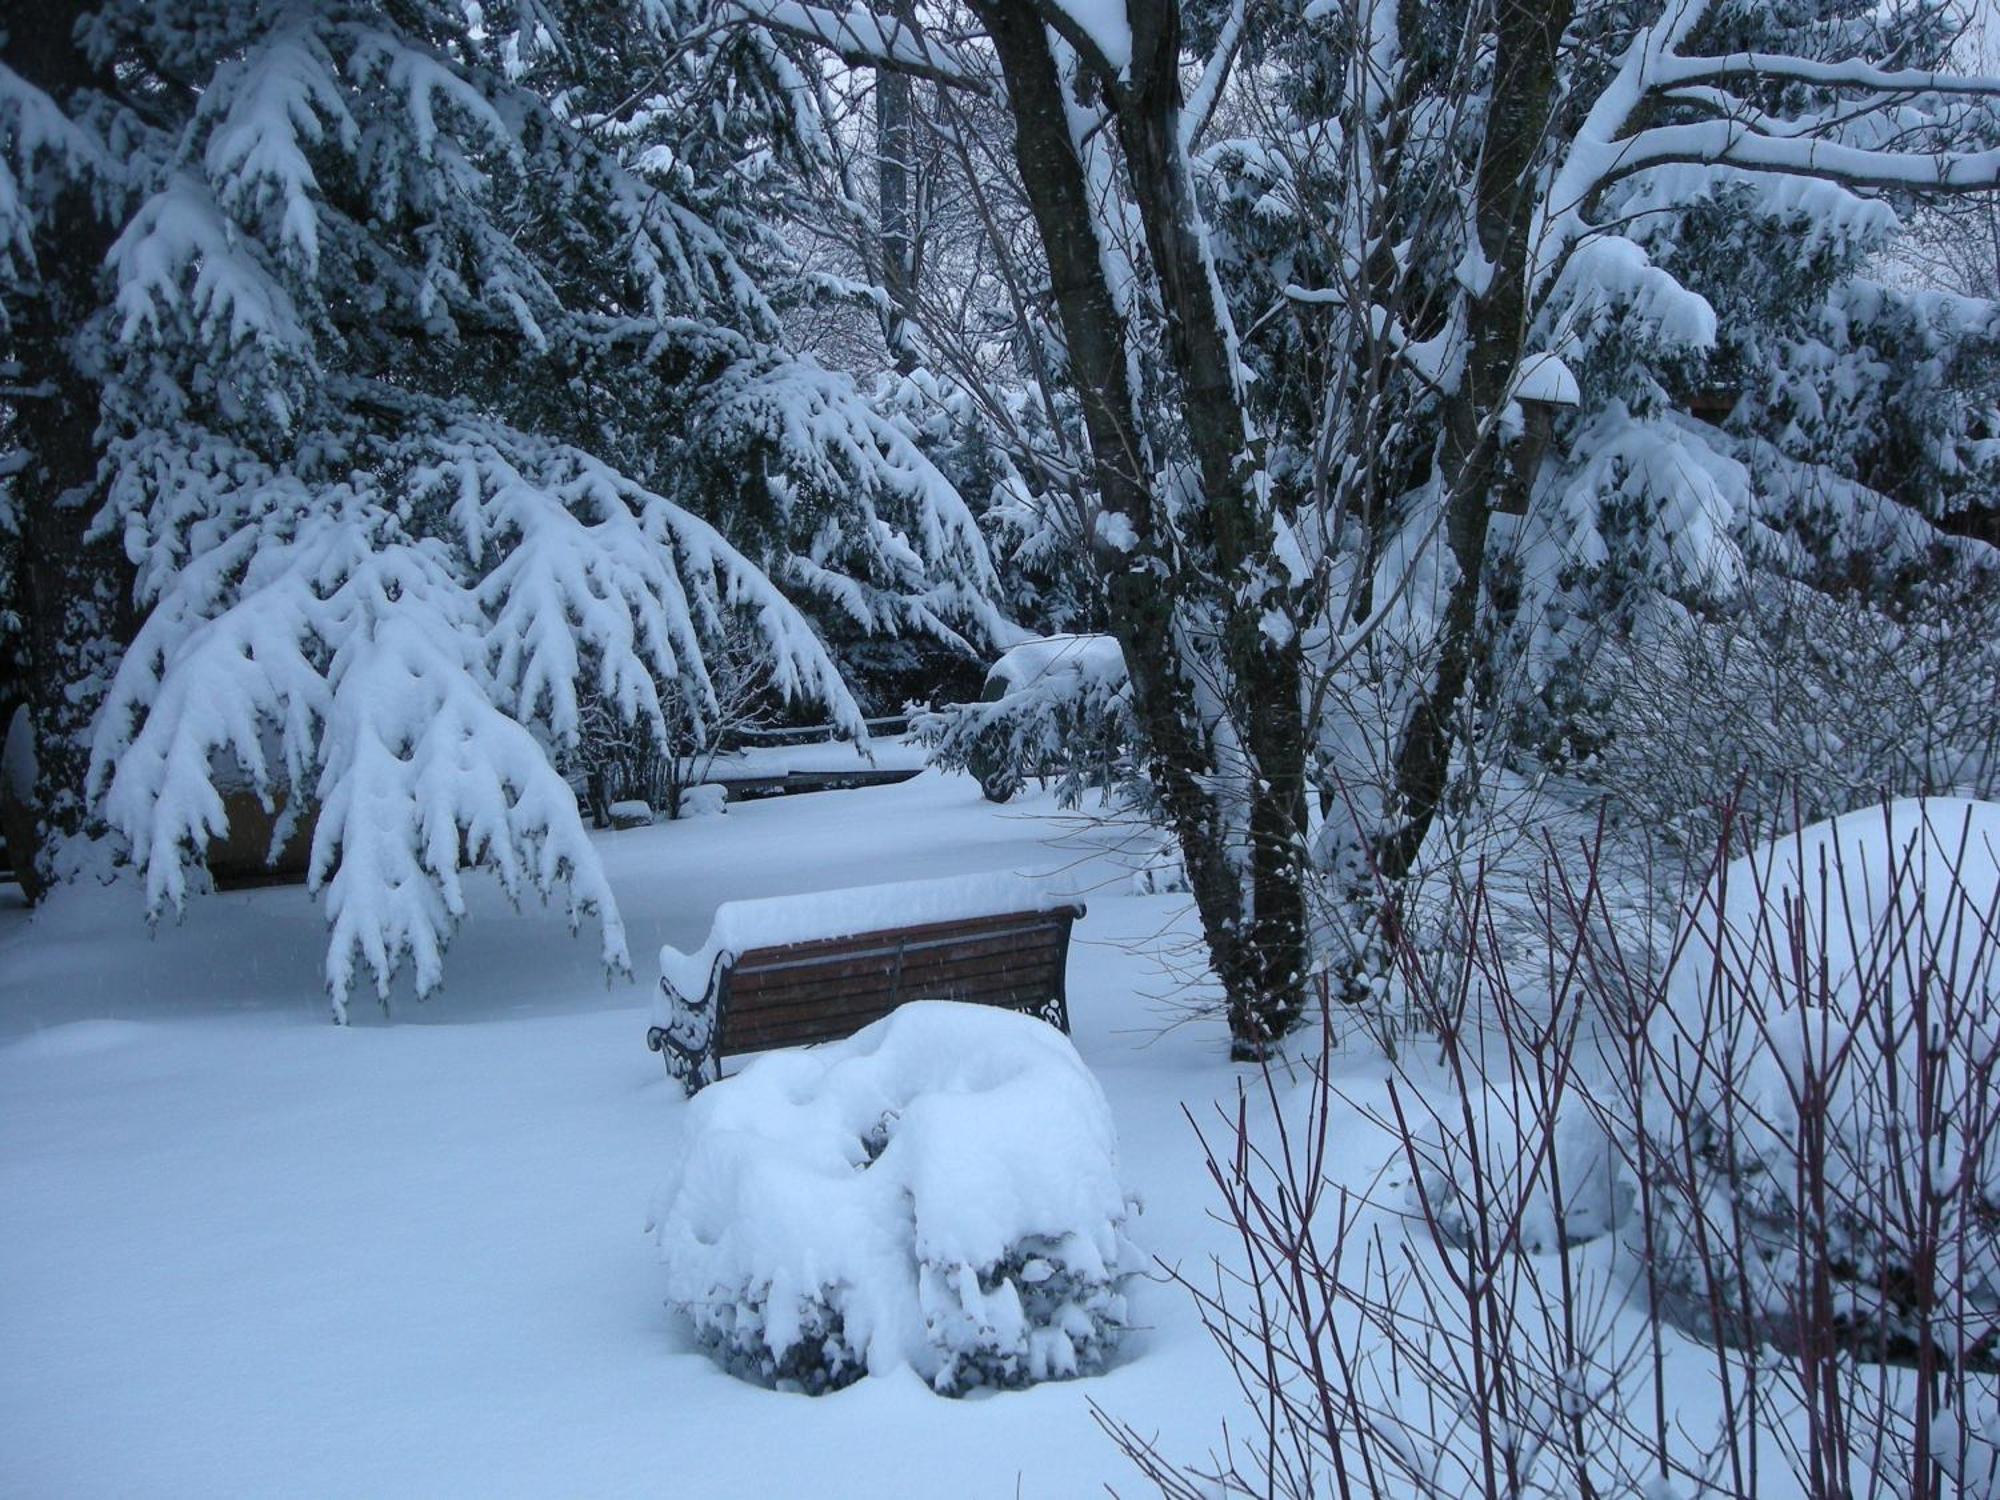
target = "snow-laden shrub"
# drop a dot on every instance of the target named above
(940, 1190)
(1811, 703)
(1529, 1165)
(1821, 1130)
(1056, 707)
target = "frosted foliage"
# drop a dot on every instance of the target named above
(413, 691)
(443, 400)
(1684, 255)
(1707, 208)
(939, 1192)
(1058, 706)
(42, 151)
(903, 553)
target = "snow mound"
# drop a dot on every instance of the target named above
(940, 1191)
(1933, 862)
(1826, 1058)
(709, 800)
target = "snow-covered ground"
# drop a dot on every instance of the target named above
(246, 1252)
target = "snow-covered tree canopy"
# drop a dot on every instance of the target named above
(1550, 310)
(1409, 342)
(441, 385)
(1700, 371)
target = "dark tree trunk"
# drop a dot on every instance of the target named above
(1266, 998)
(74, 598)
(1480, 476)
(1240, 820)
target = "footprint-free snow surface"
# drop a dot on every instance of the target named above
(246, 1252)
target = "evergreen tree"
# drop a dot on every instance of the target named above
(432, 354)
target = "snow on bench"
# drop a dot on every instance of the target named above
(787, 971)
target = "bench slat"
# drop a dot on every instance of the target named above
(1032, 992)
(993, 986)
(831, 972)
(912, 984)
(888, 937)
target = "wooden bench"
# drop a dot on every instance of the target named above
(760, 993)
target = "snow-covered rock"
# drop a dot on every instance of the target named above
(939, 1191)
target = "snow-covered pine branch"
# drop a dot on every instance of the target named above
(404, 649)
(864, 38)
(442, 394)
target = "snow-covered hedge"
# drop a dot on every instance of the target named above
(941, 1190)
(1824, 1131)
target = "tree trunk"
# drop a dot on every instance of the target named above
(895, 142)
(1233, 791)
(1264, 669)
(1478, 472)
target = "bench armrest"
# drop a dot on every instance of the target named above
(693, 1026)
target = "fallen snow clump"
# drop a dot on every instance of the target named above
(940, 1190)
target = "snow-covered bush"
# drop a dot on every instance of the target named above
(1816, 702)
(939, 1191)
(1811, 1201)
(1056, 707)
(1822, 1123)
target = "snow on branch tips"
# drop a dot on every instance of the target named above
(1846, 121)
(421, 772)
(863, 38)
(441, 404)
(412, 654)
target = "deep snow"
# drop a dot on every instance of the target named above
(246, 1252)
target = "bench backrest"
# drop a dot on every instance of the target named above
(821, 991)
(824, 989)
